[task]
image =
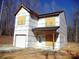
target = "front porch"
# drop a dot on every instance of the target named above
(46, 36)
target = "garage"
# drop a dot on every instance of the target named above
(21, 41)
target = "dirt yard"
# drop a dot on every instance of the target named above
(70, 51)
(31, 53)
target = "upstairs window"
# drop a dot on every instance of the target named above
(21, 20)
(50, 21)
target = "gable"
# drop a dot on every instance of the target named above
(22, 11)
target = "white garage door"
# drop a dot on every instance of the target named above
(20, 41)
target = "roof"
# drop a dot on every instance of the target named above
(36, 14)
(26, 8)
(50, 14)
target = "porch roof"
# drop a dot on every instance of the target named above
(46, 28)
(48, 32)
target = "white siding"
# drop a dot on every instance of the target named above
(57, 44)
(41, 22)
(57, 21)
(63, 30)
(21, 29)
(31, 37)
(62, 38)
(32, 23)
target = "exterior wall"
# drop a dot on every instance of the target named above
(41, 22)
(31, 37)
(21, 29)
(63, 31)
(62, 38)
(57, 44)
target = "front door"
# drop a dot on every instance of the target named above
(49, 40)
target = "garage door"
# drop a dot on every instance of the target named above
(20, 41)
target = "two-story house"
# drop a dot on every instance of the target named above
(45, 31)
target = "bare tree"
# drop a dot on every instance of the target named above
(76, 20)
(70, 34)
(6, 17)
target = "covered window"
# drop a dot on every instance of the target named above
(50, 21)
(21, 20)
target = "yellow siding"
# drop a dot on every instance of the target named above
(21, 20)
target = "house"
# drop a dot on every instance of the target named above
(46, 31)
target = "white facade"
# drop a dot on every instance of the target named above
(21, 30)
(24, 36)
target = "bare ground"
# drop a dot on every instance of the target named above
(70, 51)
(6, 39)
(31, 53)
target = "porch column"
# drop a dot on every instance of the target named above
(54, 56)
(53, 38)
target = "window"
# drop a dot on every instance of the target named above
(21, 20)
(41, 38)
(50, 21)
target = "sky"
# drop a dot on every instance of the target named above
(48, 6)
(0, 3)
(65, 5)
(69, 6)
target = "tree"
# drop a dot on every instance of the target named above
(70, 34)
(76, 25)
(6, 17)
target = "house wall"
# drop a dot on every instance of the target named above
(63, 31)
(62, 38)
(21, 29)
(42, 21)
(31, 37)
